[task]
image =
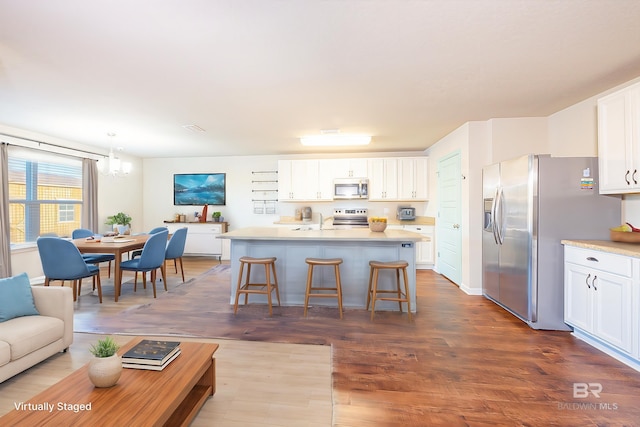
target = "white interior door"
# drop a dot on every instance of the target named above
(448, 224)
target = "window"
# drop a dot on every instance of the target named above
(66, 212)
(45, 194)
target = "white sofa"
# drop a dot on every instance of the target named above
(27, 340)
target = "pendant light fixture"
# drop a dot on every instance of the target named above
(111, 165)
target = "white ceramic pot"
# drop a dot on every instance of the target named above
(122, 229)
(105, 371)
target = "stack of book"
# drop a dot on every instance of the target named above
(152, 355)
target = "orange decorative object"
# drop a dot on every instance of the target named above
(203, 217)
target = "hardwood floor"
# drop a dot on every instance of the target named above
(463, 361)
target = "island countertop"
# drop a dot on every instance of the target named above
(329, 234)
(356, 247)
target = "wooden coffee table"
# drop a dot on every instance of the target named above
(170, 397)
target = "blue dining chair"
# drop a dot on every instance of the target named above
(83, 233)
(61, 260)
(151, 259)
(155, 230)
(175, 250)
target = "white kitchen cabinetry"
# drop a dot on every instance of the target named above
(601, 301)
(390, 178)
(383, 179)
(424, 250)
(201, 237)
(619, 141)
(412, 178)
(304, 180)
(348, 168)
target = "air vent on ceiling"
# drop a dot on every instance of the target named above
(193, 128)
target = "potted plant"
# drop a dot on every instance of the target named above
(106, 366)
(121, 222)
(216, 216)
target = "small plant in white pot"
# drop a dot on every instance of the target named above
(106, 366)
(121, 222)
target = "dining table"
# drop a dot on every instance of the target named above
(117, 246)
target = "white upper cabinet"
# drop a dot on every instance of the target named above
(304, 180)
(390, 178)
(619, 141)
(412, 178)
(383, 179)
(348, 168)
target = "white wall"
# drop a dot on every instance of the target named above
(511, 138)
(157, 189)
(122, 194)
(472, 141)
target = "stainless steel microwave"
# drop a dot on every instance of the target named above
(350, 188)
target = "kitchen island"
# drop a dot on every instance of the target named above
(355, 246)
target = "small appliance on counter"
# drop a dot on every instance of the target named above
(306, 213)
(406, 213)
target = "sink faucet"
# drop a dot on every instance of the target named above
(321, 221)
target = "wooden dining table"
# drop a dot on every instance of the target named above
(118, 247)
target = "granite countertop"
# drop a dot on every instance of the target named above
(619, 248)
(354, 234)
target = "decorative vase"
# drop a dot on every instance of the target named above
(122, 229)
(203, 217)
(105, 371)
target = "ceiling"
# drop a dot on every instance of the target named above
(258, 74)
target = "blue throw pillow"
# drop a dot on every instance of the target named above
(16, 298)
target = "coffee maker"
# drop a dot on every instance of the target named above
(306, 213)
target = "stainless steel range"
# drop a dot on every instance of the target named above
(350, 218)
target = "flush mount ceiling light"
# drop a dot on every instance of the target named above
(335, 139)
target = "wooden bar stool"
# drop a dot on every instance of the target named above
(311, 290)
(250, 288)
(398, 294)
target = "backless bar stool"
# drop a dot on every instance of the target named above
(398, 295)
(250, 288)
(312, 291)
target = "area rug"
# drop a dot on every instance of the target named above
(245, 393)
(200, 308)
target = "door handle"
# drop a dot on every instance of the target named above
(587, 281)
(635, 171)
(626, 177)
(456, 225)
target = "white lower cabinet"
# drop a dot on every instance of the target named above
(601, 301)
(424, 250)
(201, 237)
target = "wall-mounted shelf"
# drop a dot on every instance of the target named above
(264, 191)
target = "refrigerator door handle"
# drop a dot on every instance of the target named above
(499, 216)
(493, 216)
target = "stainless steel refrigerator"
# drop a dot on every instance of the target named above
(531, 203)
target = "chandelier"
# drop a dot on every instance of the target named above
(111, 165)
